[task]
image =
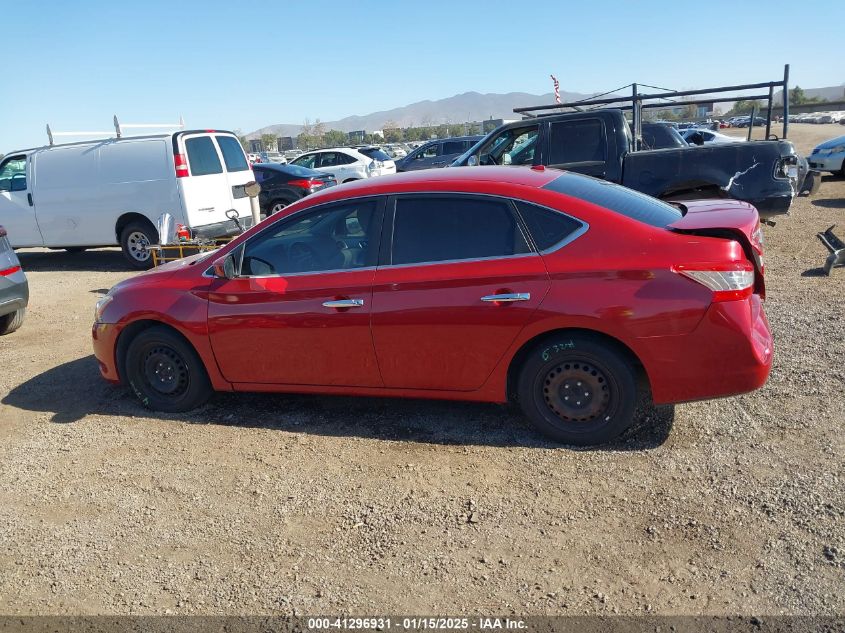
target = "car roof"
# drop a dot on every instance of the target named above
(449, 179)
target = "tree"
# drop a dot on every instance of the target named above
(393, 135)
(456, 129)
(797, 97)
(744, 106)
(243, 139)
(334, 138)
(307, 130)
(268, 142)
(318, 129)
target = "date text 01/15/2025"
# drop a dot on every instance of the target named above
(416, 623)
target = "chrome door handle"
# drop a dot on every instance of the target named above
(508, 298)
(344, 303)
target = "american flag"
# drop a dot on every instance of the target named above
(557, 88)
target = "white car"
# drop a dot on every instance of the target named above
(348, 163)
(112, 191)
(829, 156)
(710, 137)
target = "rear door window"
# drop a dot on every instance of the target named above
(453, 147)
(233, 153)
(444, 228)
(328, 159)
(578, 141)
(202, 156)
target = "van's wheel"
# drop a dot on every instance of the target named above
(135, 240)
(165, 372)
(578, 390)
(12, 321)
(76, 249)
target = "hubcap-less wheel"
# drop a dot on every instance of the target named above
(577, 392)
(138, 246)
(165, 371)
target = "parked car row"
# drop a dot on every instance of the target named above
(818, 117)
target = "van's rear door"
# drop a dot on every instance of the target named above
(237, 169)
(207, 176)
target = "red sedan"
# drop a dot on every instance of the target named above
(567, 294)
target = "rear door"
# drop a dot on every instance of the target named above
(207, 190)
(578, 145)
(457, 285)
(17, 214)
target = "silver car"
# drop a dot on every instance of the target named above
(14, 288)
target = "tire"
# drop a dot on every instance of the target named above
(566, 365)
(276, 206)
(134, 240)
(76, 249)
(12, 321)
(165, 372)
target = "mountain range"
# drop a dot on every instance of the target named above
(469, 106)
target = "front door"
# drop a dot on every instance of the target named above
(17, 213)
(460, 284)
(298, 313)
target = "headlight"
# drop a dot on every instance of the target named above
(100, 307)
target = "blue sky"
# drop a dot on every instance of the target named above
(244, 65)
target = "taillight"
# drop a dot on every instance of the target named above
(181, 165)
(183, 233)
(305, 184)
(9, 271)
(728, 282)
(3, 232)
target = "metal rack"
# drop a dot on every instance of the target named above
(639, 100)
(118, 129)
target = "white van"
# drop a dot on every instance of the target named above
(109, 192)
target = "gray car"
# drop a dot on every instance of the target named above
(14, 288)
(438, 153)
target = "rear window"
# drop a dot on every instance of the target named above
(657, 136)
(375, 153)
(202, 156)
(627, 202)
(233, 153)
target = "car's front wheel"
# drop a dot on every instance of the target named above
(165, 372)
(578, 390)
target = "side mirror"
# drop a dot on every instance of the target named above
(224, 267)
(472, 161)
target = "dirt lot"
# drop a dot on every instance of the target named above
(283, 504)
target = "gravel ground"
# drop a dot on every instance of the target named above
(294, 504)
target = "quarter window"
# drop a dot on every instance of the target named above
(444, 228)
(233, 153)
(337, 238)
(202, 156)
(547, 227)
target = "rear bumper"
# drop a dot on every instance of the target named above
(104, 337)
(774, 205)
(222, 229)
(730, 352)
(14, 293)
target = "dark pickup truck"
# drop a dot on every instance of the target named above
(599, 143)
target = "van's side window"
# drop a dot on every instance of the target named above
(13, 174)
(202, 156)
(233, 153)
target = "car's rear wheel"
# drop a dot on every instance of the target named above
(165, 372)
(276, 206)
(578, 390)
(135, 241)
(12, 321)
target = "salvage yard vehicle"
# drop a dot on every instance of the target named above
(111, 191)
(437, 153)
(282, 185)
(567, 294)
(348, 163)
(829, 156)
(599, 143)
(14, 288)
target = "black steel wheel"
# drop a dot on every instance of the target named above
(165, 372)
(578, 390)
